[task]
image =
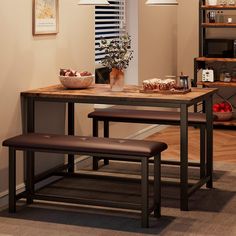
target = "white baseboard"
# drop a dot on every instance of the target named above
(21, 188)
(4, 195)
(141, 134)
(146, 132)
(102, 106)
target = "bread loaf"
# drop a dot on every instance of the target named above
(158, 84)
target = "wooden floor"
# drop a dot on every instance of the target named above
(224, 143)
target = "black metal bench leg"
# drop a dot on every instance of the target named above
(106, 135)
(12, 180)
(30, 177)
(145, 193)
(95, 134)
(157, 185)
(202, 151)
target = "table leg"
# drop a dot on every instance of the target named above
(209, 143)
(71, 131)
(95, 134)
(106, 135)
(30, 157)
(202, 151)
(184, 157)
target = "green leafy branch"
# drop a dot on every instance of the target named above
(118, 52)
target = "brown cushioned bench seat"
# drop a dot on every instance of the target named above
(122, 149)
(148, 117)
(82, 144)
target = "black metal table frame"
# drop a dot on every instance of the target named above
(185, 191)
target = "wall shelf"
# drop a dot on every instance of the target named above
(218, 7)
(218, 25)
(211, 59)
(217, 83)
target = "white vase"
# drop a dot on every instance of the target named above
(117, 80)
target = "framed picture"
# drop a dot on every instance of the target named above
(45, 17)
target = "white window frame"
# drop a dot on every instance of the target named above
(110, 23)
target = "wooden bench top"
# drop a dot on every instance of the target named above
(117, 114)
(82, 144)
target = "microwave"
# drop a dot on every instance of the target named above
(220, 48)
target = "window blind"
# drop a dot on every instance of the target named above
(109, 23)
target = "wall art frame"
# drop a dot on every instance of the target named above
(45, 17)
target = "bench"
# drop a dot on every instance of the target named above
(148, 117)
(121, 149)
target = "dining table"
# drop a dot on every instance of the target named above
(132, 95)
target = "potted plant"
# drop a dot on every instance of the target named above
(118, 54)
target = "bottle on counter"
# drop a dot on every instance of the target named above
(233, 75)
(220, 17)
(227, 77)
(223, 71)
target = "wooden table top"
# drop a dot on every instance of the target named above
(102, 94)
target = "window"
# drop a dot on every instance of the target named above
(109, 23)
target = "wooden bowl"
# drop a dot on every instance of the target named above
(223, 116)
(76, 82)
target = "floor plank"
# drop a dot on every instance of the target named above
(224, 143)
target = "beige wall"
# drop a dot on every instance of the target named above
(30, 62)
(157, 41)
(187, 35)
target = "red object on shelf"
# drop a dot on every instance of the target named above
(223, 111)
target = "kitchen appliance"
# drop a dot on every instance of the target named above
(211, 16)
(222, 48)
(207, 75)
(183, 82)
